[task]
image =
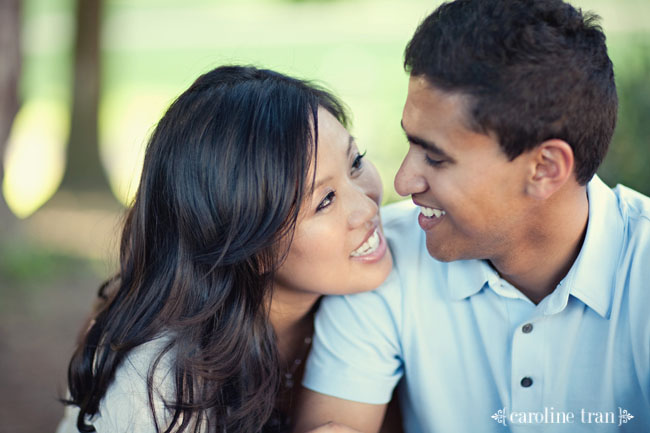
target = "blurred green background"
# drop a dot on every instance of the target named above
(58, 241)
(152, 50)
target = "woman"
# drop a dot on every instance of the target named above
(253, 202)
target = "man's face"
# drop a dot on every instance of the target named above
(473, 195)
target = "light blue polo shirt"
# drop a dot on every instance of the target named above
(472, 354)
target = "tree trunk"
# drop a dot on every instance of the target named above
(84, 171)
(9, 73)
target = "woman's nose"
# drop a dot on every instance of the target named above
(363, 209)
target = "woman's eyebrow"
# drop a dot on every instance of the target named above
(351, 141)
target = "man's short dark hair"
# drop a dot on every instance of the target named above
(534, 70)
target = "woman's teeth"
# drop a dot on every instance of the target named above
(368, 246)
(430, 212)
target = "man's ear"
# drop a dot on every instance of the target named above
(551, 167)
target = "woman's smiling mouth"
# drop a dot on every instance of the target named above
(372, 249)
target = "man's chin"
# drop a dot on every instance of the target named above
(439, 252)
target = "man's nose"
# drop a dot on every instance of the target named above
(408, 180)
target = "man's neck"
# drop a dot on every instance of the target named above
(549, 247)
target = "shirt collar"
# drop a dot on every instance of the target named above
(467, 277)
(592, 276)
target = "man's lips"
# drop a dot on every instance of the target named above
(430, 211)
(429, 216)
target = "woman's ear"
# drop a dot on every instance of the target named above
(551, 167)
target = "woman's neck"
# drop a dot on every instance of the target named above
(291, 317)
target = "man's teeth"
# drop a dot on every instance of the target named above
(430, 212)
(368, 246)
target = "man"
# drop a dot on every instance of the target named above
(522, 300)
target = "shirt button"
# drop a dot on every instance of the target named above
(526, 382)
(527, 328)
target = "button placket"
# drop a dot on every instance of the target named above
(527, 367)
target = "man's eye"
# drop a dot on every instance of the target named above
(358, 161)
(433, 162)
(329, 198)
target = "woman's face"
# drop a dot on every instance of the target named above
(338, 245)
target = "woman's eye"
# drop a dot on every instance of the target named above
(329, 198)
(433, 162)
(358, 161)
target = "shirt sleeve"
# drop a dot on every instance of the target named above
(356, 353)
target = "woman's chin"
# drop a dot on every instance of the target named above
(371, 275)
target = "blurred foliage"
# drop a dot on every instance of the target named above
(311, 1)
(153, 50)
(31, 264)
(628, 159)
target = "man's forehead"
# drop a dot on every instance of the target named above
(425, 99)
(420, 85)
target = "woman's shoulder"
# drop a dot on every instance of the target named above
(139, 361)
(125, 406)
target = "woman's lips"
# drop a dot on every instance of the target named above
(373, 248)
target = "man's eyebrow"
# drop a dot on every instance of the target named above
(426, 145)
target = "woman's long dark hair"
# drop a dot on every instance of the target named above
(223, 178)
